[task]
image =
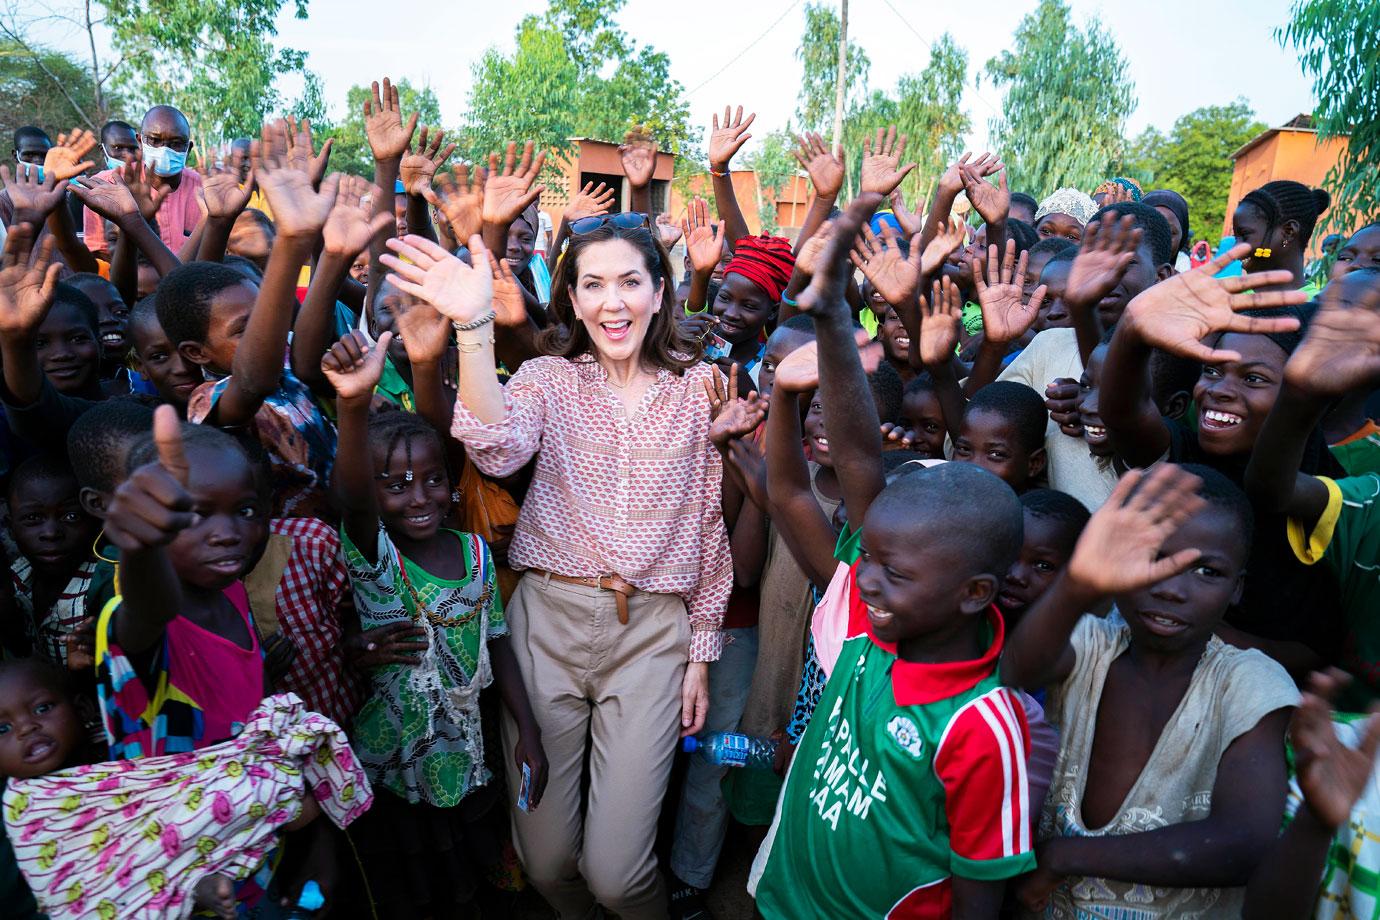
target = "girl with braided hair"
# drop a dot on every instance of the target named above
(1277, 220)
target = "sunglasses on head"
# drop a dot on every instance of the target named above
(628, 220)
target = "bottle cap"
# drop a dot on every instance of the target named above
(689, 744)
(311, 897)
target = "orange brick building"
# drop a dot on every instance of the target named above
(598, 161)
(1291, 151)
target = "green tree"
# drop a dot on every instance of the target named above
(878, 109)
(1338, 42)
(1067, 98)
(775, 167)
(1195, 160)
(819, 59)
(1143, 157)
(929, 112)
(49, 89)
(572, 73)
(351, 153)
(213, 59)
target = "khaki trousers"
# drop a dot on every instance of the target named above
(592, 678)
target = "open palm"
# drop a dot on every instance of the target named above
(881, 165)
(463, 293)
(992, 202)
(590, 201)
(1119, 550)
(460, 197)
(1341, 353)
(941, 316)
(225, 195)
(1178, 313)
(425, 333)
(510, 307)
(1006, 315)
(638, 156)
(728, 137)
(26, 281)
(111, 200)
(1332, 776)
(1103, 255)
(825, 169)
(33, 200)
(383, 124)
(67, 158)
(894, 276)
(419, 167)
(351, 225)
(508, 191)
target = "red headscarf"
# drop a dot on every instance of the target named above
(764, 260)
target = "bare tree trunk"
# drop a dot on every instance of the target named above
(840, 78)
(96, 78)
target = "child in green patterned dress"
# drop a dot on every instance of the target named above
(434, 590)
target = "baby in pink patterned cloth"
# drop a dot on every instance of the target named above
(154, 837)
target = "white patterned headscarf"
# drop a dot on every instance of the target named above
(1068, 201)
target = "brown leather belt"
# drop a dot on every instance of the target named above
(615, 583)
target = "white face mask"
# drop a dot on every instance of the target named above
(164, 161)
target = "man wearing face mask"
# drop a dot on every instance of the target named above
(30, 147)
(119, 143)
(164, 142)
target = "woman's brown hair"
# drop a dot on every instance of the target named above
(666, 345)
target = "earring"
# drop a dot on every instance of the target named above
(455, 496)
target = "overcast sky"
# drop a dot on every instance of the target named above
(1181, 53)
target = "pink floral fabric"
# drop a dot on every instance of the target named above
(130, 839)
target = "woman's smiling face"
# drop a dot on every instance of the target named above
(615, 297)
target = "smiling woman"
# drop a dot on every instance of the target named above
(627, 568)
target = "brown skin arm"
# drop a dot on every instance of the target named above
(1219, 851)
(1137, 431)
(977, 900)
(77, 256)
(1273, 479)
(791, 502)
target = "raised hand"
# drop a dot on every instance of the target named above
(992, 202)
(301, 150)
(1177, 314)
(151, 507)
(894, 276)
(667, 230)
(112, 200)
(147, 195)
(825, 169)
(911, 221)
(1119, 550)
(460, 199)
(353, 366)
(383, 124)
(1341, 352)
(1331, 775)
(425, 333)
(67, 158)
(1105, 252)
(462, 292)
(33, 200)
(638, 155)
(825, 293)
(299, 210)
(728, 139)
(352, 225)
(951, 181)
(941, 317)
(27, 279)
(813, 251)
(222, 188)
(704, 239)
(420, 165)
(881, 165)
(732, 416)
(1006, 315)
(591, 201)
(510, 307)
(509, 191)
(799, 371)
(950, 235)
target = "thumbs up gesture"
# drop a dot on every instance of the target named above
(152, 506)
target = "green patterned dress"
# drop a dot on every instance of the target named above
(418, 734)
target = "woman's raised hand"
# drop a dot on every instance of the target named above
(464, 293)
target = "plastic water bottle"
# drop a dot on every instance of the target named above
(731, 749)
(308, 902)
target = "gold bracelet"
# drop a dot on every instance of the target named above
(469, 348)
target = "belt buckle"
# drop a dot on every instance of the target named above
(600, 582)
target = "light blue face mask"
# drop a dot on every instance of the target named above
(110, 161)
(164, 161)
(30, 167)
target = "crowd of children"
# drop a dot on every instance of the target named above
(1036, 530)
